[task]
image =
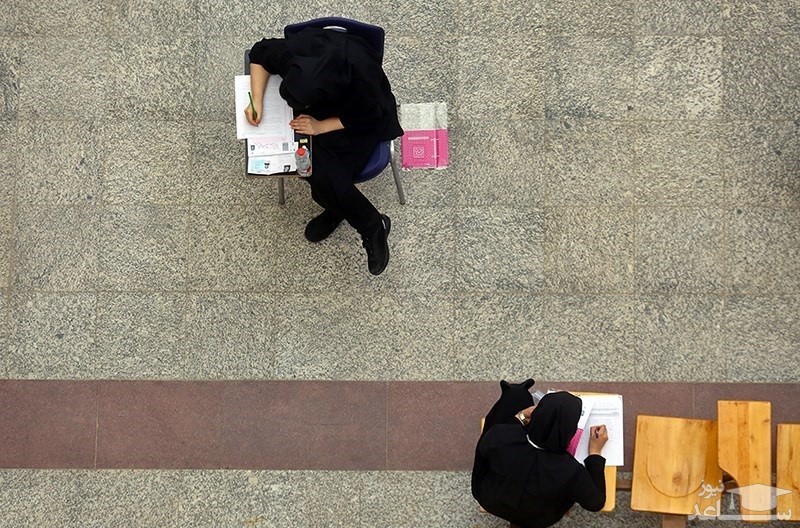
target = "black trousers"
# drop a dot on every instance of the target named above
(337, 159)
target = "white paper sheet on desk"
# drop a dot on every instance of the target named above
(277, 112)
(606, 410)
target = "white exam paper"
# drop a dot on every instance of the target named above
(274, 124)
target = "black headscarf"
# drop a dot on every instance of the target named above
(554, 421)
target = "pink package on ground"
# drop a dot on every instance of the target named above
(424, 149)
(424, 144)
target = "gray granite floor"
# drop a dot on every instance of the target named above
(623, 204)
(301, 499)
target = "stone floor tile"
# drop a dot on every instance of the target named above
(437, 188)
(590, 77)
(223, 18)
(10, 63)
(682, 17)
(290, 498)
(421, 249)
(760, 164)
(222, 59)
(589, 163)
(679, 163)
(679, 338)
(621, 516)
(499, 249)
(52, 335)
(141, 336)
(429, 498)
(680, 250)
(763, 336)
(151, 163)
(588, 250)
(409, 19)
(63, 78)
(587, 338)
(228, 337)
(144, 247)
(6, 223)
(233, 248)
(218, 170)
(487, 18)
(73, 149)
(8, 22)
(153, 77)
(772, 17)
(603, 17)
(56, 248)
(8, 160)
(63, 18)
(498, 335)
(364, 336)
(150, 17)
(412, 84)
(679, 77)
(39, 498)
(765, 250)
(135, 499)
(508, 167)
(489, 77)
(761, 75)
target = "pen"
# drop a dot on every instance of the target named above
(252, 107)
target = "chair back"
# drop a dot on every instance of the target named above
(375, 36)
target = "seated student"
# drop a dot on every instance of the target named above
(339, 92)
(522, 471)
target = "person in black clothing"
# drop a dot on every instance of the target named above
(522, 471)
(339, 92)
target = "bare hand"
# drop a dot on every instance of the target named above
(598, 436)
(248, 112)
(306, 124)
(527, 412)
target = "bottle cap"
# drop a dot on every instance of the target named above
(301, 151)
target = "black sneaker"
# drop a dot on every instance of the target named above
(320, 227)
(377, 247)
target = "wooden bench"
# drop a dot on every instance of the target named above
(673, 459)
(745, 453)
(789, 470)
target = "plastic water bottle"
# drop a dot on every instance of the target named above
(302, 158)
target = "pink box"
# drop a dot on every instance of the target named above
(425, 149)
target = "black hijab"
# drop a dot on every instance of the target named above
(317, 69)
(554, 421)
(552, 426)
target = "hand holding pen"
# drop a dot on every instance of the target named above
(598, 436)
(253, 114)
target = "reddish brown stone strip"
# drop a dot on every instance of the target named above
(297, 424)
(47, 424)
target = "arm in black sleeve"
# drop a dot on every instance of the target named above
(589, 489)
(362, 112)
(270, 53)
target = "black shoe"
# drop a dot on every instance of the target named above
(377, 247)
(320, 227)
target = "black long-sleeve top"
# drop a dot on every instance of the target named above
(357, 90)
(553, 482)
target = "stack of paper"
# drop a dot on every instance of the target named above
(270, 145)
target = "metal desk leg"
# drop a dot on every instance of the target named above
(281, 194)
